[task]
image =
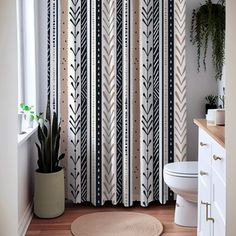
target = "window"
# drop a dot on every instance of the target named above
(26, 64)
(26, 52)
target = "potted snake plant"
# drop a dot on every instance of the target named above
(49, 192)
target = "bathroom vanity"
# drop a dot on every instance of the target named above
(211, 179)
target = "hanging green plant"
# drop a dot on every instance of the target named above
(208, 22)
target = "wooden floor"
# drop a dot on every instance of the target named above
(61, 225)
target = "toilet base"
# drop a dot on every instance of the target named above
(185, 212)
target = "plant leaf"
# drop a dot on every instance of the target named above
(48, 113)
(62, 156)
(26, 108)
(40, 164)
(41, 136)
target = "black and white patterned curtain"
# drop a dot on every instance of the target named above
(120, 88)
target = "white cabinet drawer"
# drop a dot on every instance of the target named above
(218, 160)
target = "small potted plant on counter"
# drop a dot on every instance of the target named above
(211, 102)
(49, 192)
(28, 114)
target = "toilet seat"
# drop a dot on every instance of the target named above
(182, 169)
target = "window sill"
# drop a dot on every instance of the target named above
(26, 135)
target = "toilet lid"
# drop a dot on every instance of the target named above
(185, 168)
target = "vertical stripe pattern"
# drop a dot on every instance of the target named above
(84, 101)
(48, 50)
(53, 54)
(105, 101)
(180, 106)
(119, 99)
(98, 79)
(109, 99)
(146, 104)
(54, 63)
(93, 112)
(126, 106)
(74, 100)
(156, 97)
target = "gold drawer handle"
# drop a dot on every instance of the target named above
(217, 158)
(203, 144)
(203, 173)
(207, 204)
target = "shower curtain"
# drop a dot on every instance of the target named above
(116, 75)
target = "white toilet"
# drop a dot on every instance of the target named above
(182, 178)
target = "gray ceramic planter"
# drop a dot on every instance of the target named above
(49, 194)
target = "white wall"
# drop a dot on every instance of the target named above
(8, 119)
(198, 85)
(27, 157)
(17, 163)
(231, 116)
(25, 176)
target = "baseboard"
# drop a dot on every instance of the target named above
(25, 220)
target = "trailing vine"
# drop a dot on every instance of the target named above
(208, 22)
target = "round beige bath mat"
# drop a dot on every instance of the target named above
(116, 224)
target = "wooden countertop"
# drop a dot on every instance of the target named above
(216, 132)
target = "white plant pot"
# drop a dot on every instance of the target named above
(20, 122)
(30, 123)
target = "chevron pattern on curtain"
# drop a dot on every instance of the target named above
(123, 96)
